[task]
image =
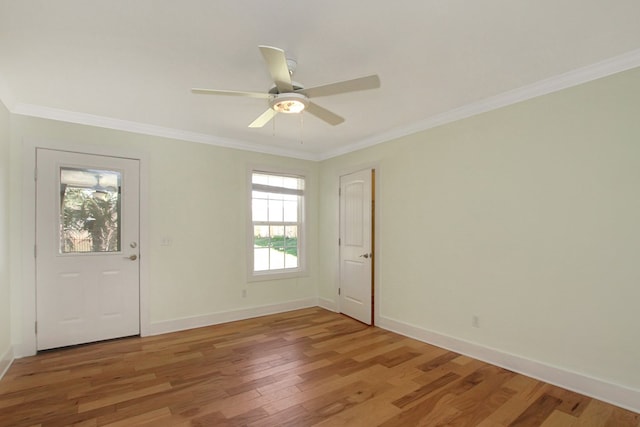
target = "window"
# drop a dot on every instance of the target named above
(277, 223)
(89, 210)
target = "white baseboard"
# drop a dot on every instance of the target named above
(5, 362)
(327, 304)
(174, 325)
(596, 388)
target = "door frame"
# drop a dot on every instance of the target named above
(28, 346)
(375, 238)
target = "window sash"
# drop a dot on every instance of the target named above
(269, 193)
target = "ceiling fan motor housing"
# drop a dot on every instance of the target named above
(297, 87)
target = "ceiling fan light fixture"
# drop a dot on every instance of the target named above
(289, 103)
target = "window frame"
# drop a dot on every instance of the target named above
(301, 269)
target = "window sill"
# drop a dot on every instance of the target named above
(275, 275)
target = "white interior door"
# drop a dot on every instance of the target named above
(87, 233)
(356, 251)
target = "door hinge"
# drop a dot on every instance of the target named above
(35, 174)
(338, 291)
(339, 241)
(35, 251)
(339, 191)
(36, 327)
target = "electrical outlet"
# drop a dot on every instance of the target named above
(475, 321)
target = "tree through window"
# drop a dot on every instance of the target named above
(89, 210)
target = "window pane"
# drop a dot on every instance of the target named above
(276, 232)
(290, 211)
(278, 181)
(276, 260)
(259, 210)
(261, 238)
(291, 240)
(290, 261)
(261, 231)
(261, 259)
(276, 211)
(259, 178)
(275, 181)
(290, 182)
(291, 231)
(260, 195)
(90, 208)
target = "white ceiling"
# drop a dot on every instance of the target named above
(131, 64)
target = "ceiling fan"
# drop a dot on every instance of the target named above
(287, 96)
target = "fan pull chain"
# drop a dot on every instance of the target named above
(301, 128)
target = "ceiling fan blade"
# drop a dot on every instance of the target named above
(259, 95)
(361, 83)
(263, 119)
(324, 114)
(277, 63)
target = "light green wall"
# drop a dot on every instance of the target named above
(527, 217)
(197, 197)
(5, 307)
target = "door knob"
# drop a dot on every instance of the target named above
(133, 257)
(365, 256)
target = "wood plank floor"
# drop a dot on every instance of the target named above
(303, 368)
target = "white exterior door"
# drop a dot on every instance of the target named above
(87, 234)
(356, 252)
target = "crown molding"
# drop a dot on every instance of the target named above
(556, 83)
(566, 80)
(147, 129)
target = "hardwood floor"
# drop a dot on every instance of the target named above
(302, 368)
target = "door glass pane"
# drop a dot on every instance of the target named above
(90, 210)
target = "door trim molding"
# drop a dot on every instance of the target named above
(26, 346)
